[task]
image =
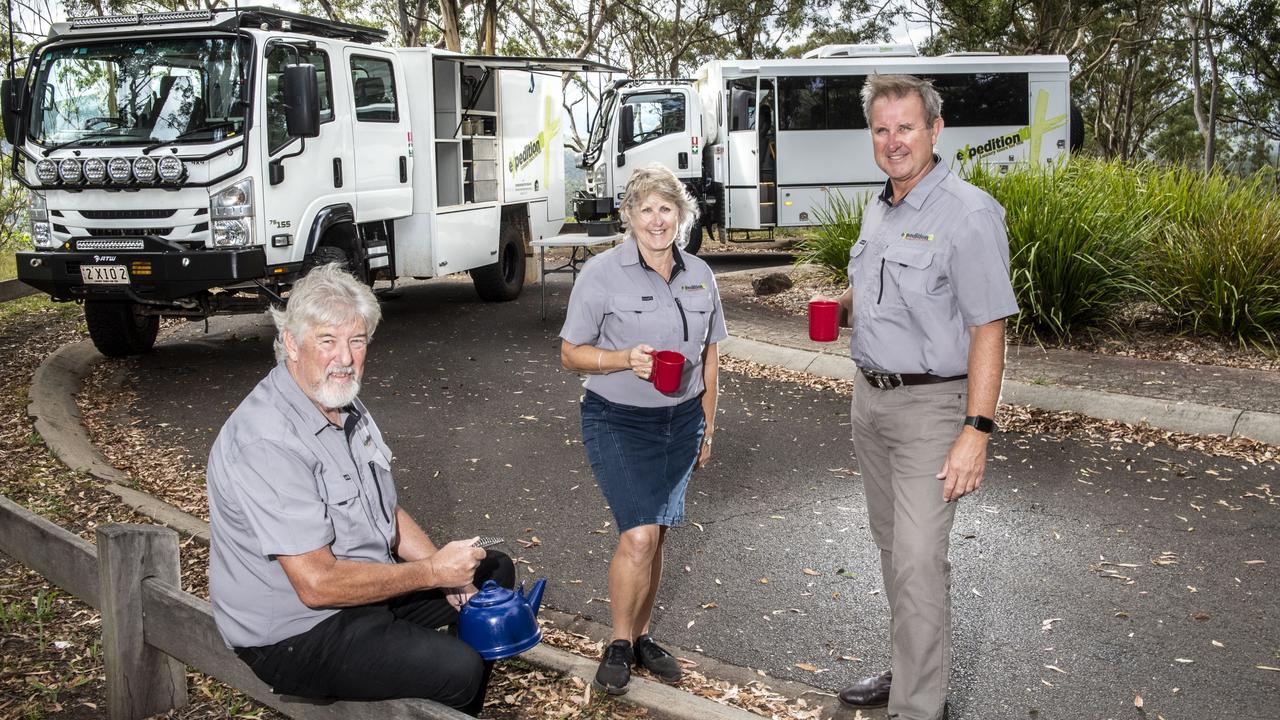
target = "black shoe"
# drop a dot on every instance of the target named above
(871, 692)
(615, 668)
(651, 657)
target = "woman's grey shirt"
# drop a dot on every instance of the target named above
(618, 302)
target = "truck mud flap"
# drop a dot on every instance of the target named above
(146, 268)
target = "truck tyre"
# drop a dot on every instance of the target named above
(694, 242)
(503, 280)
(324, 255)
(118, 329)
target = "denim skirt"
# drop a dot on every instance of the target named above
(642, 457)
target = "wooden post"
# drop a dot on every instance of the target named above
(141, 680)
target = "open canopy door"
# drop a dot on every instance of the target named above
(535, 64)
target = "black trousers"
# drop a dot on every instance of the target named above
(385, 650)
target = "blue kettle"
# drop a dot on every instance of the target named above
(499, 623)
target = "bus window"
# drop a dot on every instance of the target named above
(742, 104)
(984, 99)
(829, 102)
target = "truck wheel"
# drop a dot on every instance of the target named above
(693, 242)
(503, 280)
(325, 255)
(118, 329)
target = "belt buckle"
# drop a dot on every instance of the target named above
(885, 381)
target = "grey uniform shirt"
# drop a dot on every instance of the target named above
(618, 303)
(926, 270)
(283, 480)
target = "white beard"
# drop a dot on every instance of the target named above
(333, 396)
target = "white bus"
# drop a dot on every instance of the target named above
(762, 143)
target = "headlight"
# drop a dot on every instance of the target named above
(38, 213)
(95, 170)
(171, 169)
(47, 172)
(232, 233)
(69, 170)
(144, 169)
(233, 202)
(120, 170)
(597, 178)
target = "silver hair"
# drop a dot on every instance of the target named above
(898, 87)
(328, 295)
(657, 179)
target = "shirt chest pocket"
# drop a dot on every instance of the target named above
(635, 319)
(697, 316)
(345, 510)
(908, 275)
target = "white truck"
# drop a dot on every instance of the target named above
(187, 164)
(762, 143)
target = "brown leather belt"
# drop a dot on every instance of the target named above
(888, 381)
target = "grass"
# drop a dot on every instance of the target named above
(827, 246)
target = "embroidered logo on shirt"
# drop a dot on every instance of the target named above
(699, 286)
(918, 237)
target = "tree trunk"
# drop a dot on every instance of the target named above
(490, 41)
(449, 25)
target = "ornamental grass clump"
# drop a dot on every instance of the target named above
(1074, 242)
(1215, 264)
(839, 224)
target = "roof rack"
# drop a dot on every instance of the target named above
(284, 20)
(228, 19)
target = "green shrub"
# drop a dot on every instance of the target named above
(840, 222)
(1220, 273)
(1074, 242)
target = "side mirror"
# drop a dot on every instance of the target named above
(301, 101)
(627, 125)
(11, 102)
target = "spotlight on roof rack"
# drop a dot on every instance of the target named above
(104, 21)
(177, 17)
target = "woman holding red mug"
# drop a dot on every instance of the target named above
(630, 302)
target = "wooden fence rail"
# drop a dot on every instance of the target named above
(151, 628)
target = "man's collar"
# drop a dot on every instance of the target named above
(314, 419)
(916, 196)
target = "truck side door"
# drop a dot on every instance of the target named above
(382, 142)
(742, 193)
(659, 131)
(309, 177)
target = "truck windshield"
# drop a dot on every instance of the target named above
(185, 90)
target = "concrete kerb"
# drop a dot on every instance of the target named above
(1188, 417)
(57, 419)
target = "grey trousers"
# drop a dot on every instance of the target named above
(901, 437)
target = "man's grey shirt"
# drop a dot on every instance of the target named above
(283, 480)
(618, 302)
(926, 270)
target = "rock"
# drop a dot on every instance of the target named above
(771, 284)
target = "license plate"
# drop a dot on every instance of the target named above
(104, 274)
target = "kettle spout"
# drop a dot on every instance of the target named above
(535, 595)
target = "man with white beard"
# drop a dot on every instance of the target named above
(319, 580)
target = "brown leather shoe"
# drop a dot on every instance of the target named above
(870, 692)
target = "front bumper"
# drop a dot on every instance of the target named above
(158, 270)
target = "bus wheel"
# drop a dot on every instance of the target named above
(503, 280)
(118, 329)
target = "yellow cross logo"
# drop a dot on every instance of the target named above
(1040, 126)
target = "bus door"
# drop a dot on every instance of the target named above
(767, 142)
(742, 192)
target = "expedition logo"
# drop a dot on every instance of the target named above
(538, 145)
(1033, 133)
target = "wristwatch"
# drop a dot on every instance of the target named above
(980, 423)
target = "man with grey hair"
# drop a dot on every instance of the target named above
(319, 580)
(928, 295)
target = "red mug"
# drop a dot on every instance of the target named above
(668, 367)
(824, 320)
